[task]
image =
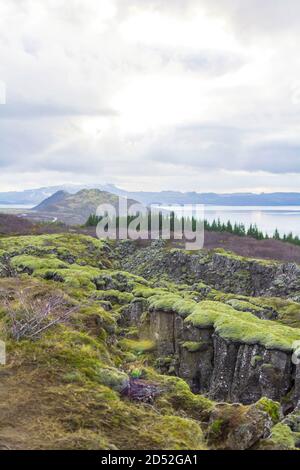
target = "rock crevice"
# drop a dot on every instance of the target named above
(222, 369)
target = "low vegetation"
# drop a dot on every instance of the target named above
(78, 377)
(172, 220)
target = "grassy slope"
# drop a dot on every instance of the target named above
(62, 391)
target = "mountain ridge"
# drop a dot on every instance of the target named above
(38, 195)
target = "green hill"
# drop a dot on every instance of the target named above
(76, 208)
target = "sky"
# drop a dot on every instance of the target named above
(189, 95)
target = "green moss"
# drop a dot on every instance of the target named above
(78, 276)
(112, 378)
(172, 303)
(37, 263)
(227, 321)
(77, 369)
(256, 360)
(80, 377)
(100, 316)
(72, 349)
(83, 248)
(271, 407)
(216, 427)
(115, 296)
(244, 306)
(268, 366)
(136, 373)
(192, 346)
(118, 280)
(137, 346)
(287, 310)
(147, 292)
(234, 256)
(246, 328)
(282, 438)
(51, 267)
(178, 394)
(179, 433)
(73, 377)
(82, 368)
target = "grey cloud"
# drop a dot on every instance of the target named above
(199, 146)
(23, 110)
(257, 16)
(64, 75)
(246, 16)
(220, 147)
(22, 143)
(275, 157)
(213, 63)
(201, 61)
(203, 148)
(176, 7)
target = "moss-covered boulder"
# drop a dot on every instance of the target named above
(238, 427)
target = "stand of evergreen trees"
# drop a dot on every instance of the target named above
(214, 226)
(253, 231)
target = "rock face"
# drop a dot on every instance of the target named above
(228, 273)
(244, 373)
(224, 370)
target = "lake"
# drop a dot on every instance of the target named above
(285, 218)
(14, 206)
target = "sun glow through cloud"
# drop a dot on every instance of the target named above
(201, 89)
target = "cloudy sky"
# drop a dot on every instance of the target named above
(151, 94)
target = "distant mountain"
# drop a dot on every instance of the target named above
(53, 202)
(36, 196)
(234, 199)
(76, 208)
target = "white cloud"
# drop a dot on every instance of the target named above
(151, 93)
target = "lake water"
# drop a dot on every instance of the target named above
(14, 206)
(285, 218)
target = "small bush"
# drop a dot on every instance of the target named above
(28, 318)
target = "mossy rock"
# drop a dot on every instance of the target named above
(271, 407)
(193, 346)
(82, 248)
(228, 322)
(115, 296)
(113, 378)
(246, 328)
(244, 306)
(282, 438)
